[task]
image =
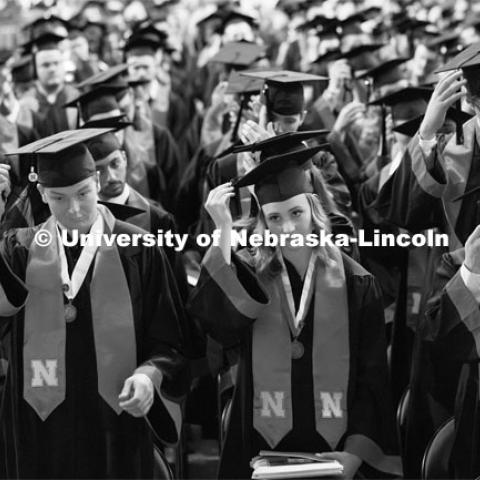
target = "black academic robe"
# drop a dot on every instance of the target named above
(162, 171)
(83, 437)
(224, 317)
(444, 380)
(155, 219)
(188, 201)
(346, 152)
(406, 274)
(53, 118)
(175, 119)
(426, 191)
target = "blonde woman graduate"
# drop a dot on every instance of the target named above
(307, 324)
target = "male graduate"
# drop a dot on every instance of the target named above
(445, 379)
(50, 90)
(152, 154)
(144, 56)
(432, 171)
(95, 349)
(111, 164)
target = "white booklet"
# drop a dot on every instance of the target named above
(273, 465)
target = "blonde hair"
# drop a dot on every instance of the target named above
(266, 259)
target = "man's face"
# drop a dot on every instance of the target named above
(141, 67)
(287, 123)
(50, 68)
(79, 48)
(75, 206)
(113, 174)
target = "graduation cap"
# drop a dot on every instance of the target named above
(239, 84)
(62, 158)
(111, 77)
(147, 28)
(361, 49)
(284, 89)
(280, 177)
(407, 24)
(103, 145)
(44, 41)
(48, 23)
(406, 103)
(122, 211)
(22, 69)
(316, 22)
(329, 56)
(446, 41)
(289, 142)
(385, 72)
(223, 16)
(470, 57)
(411, 127)
(360, 57)
(99, 100)
(239, 54)
(117, 122)
(143, 44)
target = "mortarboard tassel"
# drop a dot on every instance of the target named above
(459, 125)
(384, 156)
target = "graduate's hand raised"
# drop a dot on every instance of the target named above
(350, 113)
(351, 463)
(446, 93)
(218, 205)
(137, 395)
(472, 251)
(252, 132)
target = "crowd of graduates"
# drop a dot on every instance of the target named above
(382, 97)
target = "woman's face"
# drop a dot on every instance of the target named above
(290, 216)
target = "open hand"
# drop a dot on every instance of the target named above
(446, 93)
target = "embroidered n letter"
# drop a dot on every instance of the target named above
(272, 405)
(44, 373)
(331, 404)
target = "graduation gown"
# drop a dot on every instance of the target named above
(153, 163)
(52, 117)
(424, 191)
(155, 219)
(406, 274)
(225, 301)
(346, 152)
(83, 437)
(444, 379)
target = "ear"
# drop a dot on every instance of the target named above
(42, 192)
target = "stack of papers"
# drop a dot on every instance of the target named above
(272, 465)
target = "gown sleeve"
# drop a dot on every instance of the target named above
(163, 356)
(411, 197)
(227, 298)
(371, 428)
(13, 291)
